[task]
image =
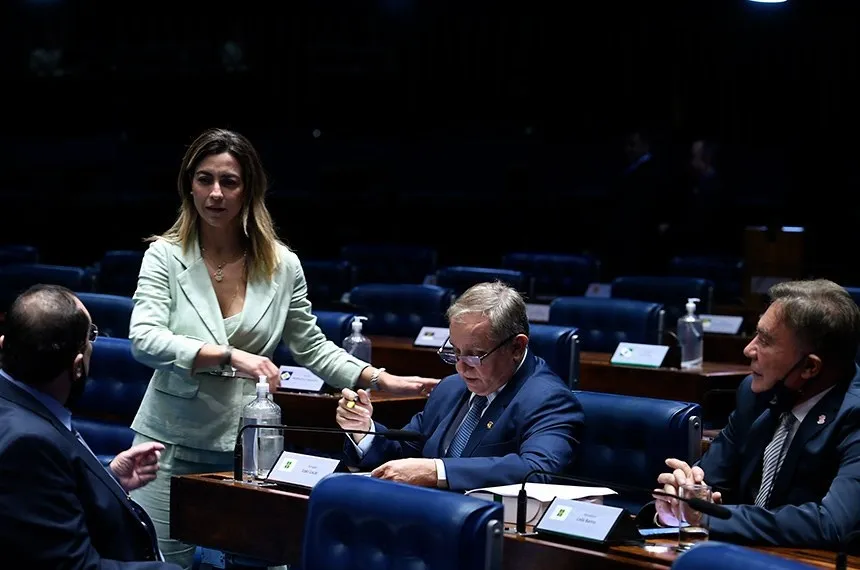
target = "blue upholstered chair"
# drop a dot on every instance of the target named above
(116, 383)
(110, 313)
(671, 292)
(390, 263)
(559, 346)
(328, 280)
(116, 273)
(15, 279)
(459, 278)
(627, 440)
(398, 527)
(16, 254)
(603, 323)
(555, 275)
(335, 325)
(722, 556)
(106, 439)
(400, 310)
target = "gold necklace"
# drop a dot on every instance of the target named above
(219, 270)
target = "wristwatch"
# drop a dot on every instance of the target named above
(374, 379)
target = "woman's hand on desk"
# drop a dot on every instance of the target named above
(255, 365)
(416, 385)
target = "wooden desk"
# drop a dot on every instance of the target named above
(318, 410)
(212, 511)
(726, 348)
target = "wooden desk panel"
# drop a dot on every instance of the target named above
(726, 348)
(318, 410)
(212, 511)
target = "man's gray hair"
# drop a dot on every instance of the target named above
(503, 306)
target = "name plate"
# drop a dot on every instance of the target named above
(301, 470)
(602, 290)
(721, 324)
(432, 337)
(580, 520)
(298, 378)
(537, 313)
(633, 354)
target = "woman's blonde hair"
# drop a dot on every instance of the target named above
(257, 225)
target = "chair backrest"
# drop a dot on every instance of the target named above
(15, 279)
(671, 292)
(390, 263)
(16, 254)
(559, 347)
(726, 273)
(459, 278)
(400, 310)
(328, 280)
(555, 275)
(398, 527)
(118, 271)
(714, 555)
(627, 439)
(116, 383)
(106, 439)
(110, 313)
(603, 323)
(334, 325)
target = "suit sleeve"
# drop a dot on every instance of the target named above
(152, 341)
(550, 436)
(308, 344)
(814, 525)
(383, 449)
(43, 520)
(721, 463)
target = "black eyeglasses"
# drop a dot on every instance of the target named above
(448, 355)
(94, 332)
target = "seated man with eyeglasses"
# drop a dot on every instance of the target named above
(503, 414)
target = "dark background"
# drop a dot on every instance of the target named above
(478, 127)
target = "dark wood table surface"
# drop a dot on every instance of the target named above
(213, 511)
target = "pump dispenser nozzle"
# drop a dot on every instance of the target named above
(691, 305)
(357, 322)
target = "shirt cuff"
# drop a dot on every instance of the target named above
(441, 478)
(364, 446)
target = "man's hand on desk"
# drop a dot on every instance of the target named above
(354, 411)
(668, 510)
(414, 471)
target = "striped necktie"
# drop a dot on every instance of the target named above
(774, 453)
(468, 426)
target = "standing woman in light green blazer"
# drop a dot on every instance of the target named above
(218, 291)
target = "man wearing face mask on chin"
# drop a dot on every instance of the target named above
(59, 507)
(788, 463)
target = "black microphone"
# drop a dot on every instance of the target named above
(845, 546)
(698, 504)
(238, 451)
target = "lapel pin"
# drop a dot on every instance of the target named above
(821, 419)
(489, 425)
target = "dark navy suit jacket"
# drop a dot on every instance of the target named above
(533, 423)
(59, 507)
(815, 501)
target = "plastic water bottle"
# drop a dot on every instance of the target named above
(261, 447)
(691, 337)
(356, 343)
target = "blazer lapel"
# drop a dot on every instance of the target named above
(195, 283)
(258, 298)
(437, 446)
(500, 402)
(819, 417)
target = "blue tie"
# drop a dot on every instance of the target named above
(468, 426)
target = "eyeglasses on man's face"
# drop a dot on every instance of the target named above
(94, 332)
(449, 356)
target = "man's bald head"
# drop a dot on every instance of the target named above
(46, 327)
